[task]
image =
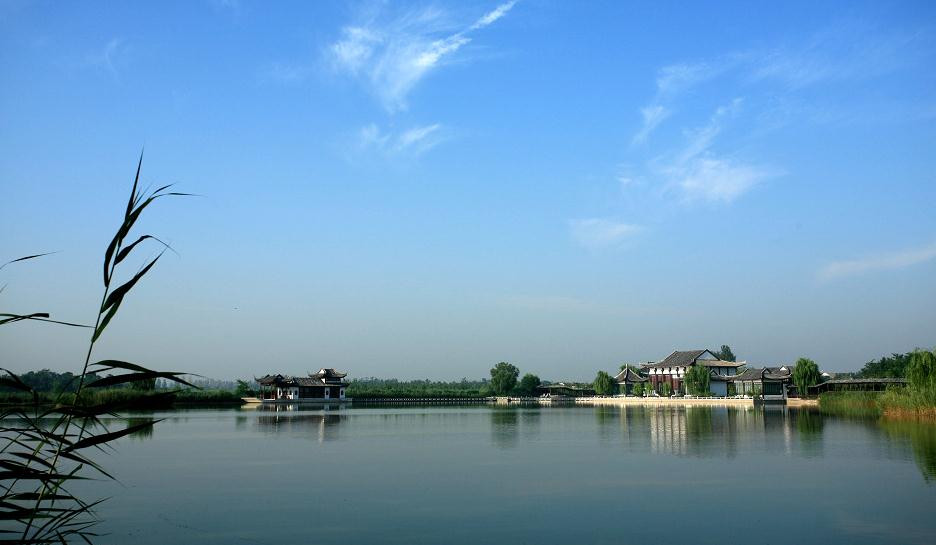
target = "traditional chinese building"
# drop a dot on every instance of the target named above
(770, 382)
(626, 380)
(326, 385)
(672, 371)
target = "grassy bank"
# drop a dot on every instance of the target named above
(905, 403)
(857, 404)
(128, 398)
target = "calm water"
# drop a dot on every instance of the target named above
(521, 475)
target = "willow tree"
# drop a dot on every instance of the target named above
(805, 374)
(698, 380)
(603, 384)
(921, 371)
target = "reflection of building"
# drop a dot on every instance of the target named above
(772, 382)
(326, 385)
(672, 370)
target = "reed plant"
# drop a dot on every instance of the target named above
(45, 448)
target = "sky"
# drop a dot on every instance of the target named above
(422, 190)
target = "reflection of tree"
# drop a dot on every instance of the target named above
(606, 417)
(504, 427)
(809, 424)
(145, 432)
(922, 438)
(699, 428)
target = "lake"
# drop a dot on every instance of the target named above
(480, 474)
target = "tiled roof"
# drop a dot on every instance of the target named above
(768, 373)
(686, 358)
(628, 375)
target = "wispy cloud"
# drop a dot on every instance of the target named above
(109, 57)
(393, 56)
(411, 142)
(653, 115)
(849, 50)
(891, 261)
(698, 173)
(845, 51)
(598, 233)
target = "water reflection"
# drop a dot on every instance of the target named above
(922, 438)
(809, 425)
(318, 422)
(504, 428)
(145, 432)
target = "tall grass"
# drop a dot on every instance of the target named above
(851, 404)
(47, 448)
(908, 402)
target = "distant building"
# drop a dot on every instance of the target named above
(326, 385)
(561, 389)
(857, 384)
(672, 371)
(626, 380)
(772, 382)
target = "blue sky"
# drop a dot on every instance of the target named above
(425, 189)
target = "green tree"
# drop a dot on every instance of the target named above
(805, 374)
(921, 371)
(667, 389)
(528, 384)
(243, 388)
(698, 379)
(725, 354)
(894, 365)
(603, 384)
(637, 389)
(504, 378)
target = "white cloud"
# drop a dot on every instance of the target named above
(110, 57)
(601, 232)
(892, 261)
(849, 50)
(717, 179)
(493, 15)
(413, 142)
(652, 115)
(676, 78)
(700, 174)
(392, 57)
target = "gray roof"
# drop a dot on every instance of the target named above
(325, 377)
(763, 373)
(686, 358)
(886, 380)
(628, 375)
(327, 373)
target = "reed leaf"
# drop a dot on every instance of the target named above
(25, 258)
(108, 437)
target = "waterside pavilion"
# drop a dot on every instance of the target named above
(326, 385)
(626, 380)
(773, 382)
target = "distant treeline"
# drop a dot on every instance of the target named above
(53, 387)
(894, 366)
(50, 381)
(381, 388)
